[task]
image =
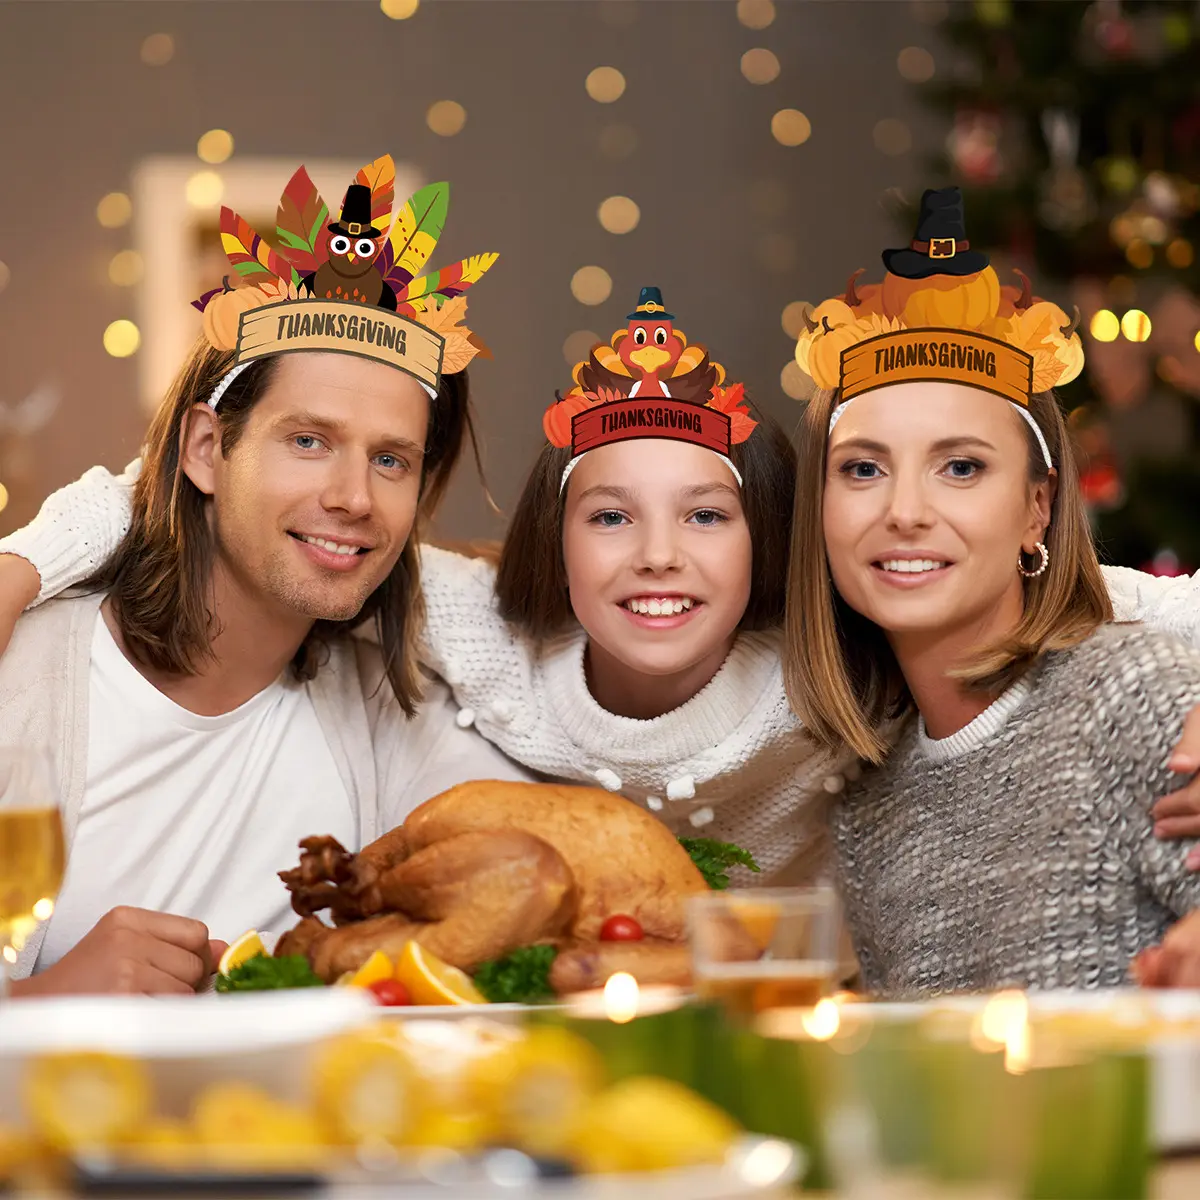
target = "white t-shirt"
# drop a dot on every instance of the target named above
(194, 815)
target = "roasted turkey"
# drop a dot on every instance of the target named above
(488, 867)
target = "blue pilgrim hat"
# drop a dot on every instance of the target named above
(650, 305)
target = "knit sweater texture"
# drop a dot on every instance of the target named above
(1019, 852)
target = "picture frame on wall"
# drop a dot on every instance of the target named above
(176, 230)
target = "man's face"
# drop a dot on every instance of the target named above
(315, 502)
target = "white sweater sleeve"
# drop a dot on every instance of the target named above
(77, 528)
(1170, 604)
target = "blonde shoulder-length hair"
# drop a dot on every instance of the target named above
(841, 676)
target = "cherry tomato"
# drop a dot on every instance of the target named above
(621, 929)
(390, 992)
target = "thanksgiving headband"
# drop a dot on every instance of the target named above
(649, 381)
(941, 316)
(351, 286)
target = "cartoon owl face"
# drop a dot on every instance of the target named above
(352, 257)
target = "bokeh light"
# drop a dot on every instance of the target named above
(114, 210)
(158, 49)
(5, 275)
(619, 214)
(790, 127)
(1105, 326)
(591, 285)
(892, 136)
(1140, 254)
(1135, 325)
(760, 65)
(205, 189)
(1180, 253)
(578, 344)
(399, 10)
(795, 383)
(3, 497)
(605, 84)
(446, 118)
(792, 318)
(125, 269)
(755, 14)
(215, 146)
(122, 338)
(915, 64)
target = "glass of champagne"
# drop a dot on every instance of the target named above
(762, 949)
(32, 857)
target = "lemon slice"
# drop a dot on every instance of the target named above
(758, 918)
(377, 967)
(431, 981)
(248, 946)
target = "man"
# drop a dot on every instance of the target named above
(205, 701)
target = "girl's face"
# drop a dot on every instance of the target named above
(657, 554)
(927, 505)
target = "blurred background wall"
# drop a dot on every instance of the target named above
(742, 155)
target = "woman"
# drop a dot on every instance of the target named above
(685, 714)
(946, 594)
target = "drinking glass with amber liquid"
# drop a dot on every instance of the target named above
(31, 848)
(764, 949)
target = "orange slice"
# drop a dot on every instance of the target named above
(431, 981)
(377, 967)
(248, 946)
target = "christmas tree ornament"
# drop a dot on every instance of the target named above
(974, 146)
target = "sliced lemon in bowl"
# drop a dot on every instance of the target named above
(248, 946)
(431, 981)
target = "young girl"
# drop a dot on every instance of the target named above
(943, 575)
(560, 657)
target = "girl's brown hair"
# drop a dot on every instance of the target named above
(531, 583)
(159, 576)
(841, 676)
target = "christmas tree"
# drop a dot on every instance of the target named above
(1075, 135)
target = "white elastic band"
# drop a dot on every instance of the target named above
(576, 460)
(232, 374)
(835, 416)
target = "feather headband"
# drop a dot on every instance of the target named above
(351, 286)
(649, 381)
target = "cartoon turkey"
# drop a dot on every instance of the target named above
(654, 355)
(350, 272)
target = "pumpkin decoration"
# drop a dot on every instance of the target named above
(223, 314)
(942, 301)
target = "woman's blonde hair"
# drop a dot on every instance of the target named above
(841, 676)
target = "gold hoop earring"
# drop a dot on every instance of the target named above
(1040, 549)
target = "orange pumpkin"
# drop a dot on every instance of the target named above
(556, 420)
(222, 315)
(943, 301)
(824, 359)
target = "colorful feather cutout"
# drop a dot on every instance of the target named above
(415, 232)
(449, 281)
(380, 177)
(301, 221)
(248, 254)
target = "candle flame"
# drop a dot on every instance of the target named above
(823, 1022)
(621, 998)
(1004, 1024)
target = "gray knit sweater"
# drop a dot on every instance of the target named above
(1020, 852)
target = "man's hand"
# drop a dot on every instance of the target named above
(1178, 815)
(134, 951)
(1176, 962)
(19, 586)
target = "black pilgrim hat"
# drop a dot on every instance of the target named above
(355, 220)
(649, 306)
(940, 245)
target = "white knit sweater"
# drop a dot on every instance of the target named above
(731, 764)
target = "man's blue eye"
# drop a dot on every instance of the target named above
(305, 441)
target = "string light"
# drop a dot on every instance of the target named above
(915, 64)
(1135, 325)
(158, 49)
(760, 66)
(122, 338)
(1105, 326)
(591, 285)
(446, 117)
(619, 214)
(205, 189)
(125, 269)
(605, 84)
(755, 14)
(790, 127)
(578, 345)
(114, 210)
(215, 146)
(399, 10)
(892, 136)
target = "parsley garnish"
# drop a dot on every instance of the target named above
(522, 977)
(713, 859)
(262, 973)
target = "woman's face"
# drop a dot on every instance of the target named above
(927, 505)
(657, 553)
